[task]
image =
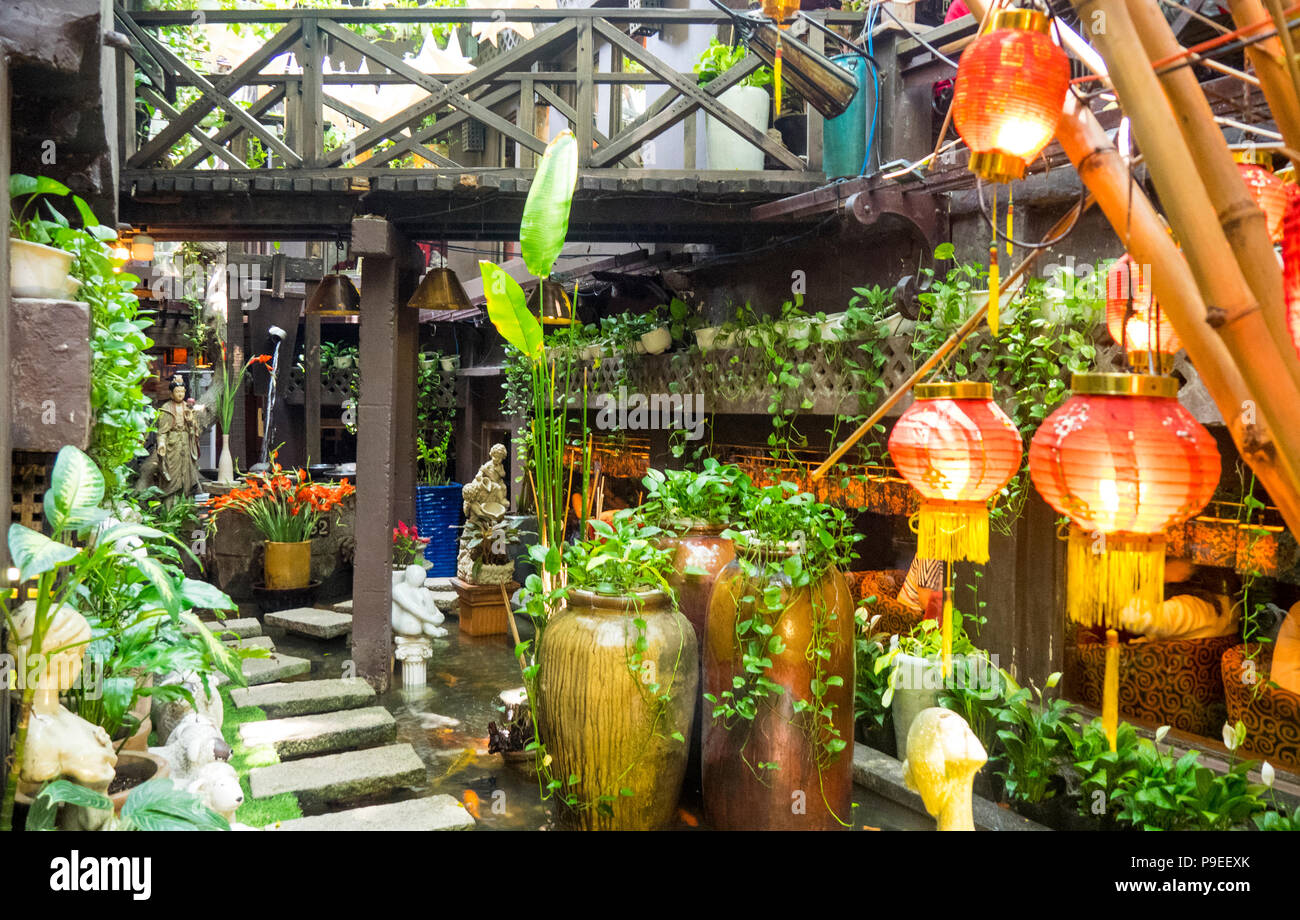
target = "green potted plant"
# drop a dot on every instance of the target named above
(488, 546)
(226, 410)
(619, 666)
(749, 99)
(408, 547)
(63, 567)
(39, 265)
(914, 665)
(285, 509)
(779, 668)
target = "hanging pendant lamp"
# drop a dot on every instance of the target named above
(1010, 87)
(551, 304)
(1291, 263)
(1269, 192)
(336, 295)
(440, 289)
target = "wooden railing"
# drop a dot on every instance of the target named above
(283, 120)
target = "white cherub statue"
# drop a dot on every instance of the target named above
(414, 612)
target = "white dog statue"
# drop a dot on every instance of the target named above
(193, 744)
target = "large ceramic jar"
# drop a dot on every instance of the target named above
(597, 716)
(700, 546)
(738, 794)
(287, 565)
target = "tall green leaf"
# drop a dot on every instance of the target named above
(46, 806)
(508, 310)
(158, 805)
(545, 223)
(76, 490)
(34, 553)
(225, 660)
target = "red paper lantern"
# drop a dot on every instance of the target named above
(1146, 329)
(958, 449)
(1124, 461)
(1291, 263)
(1269, 192)
(1011, 85)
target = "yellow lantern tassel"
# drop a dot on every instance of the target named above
(1110, 572)
(1110, 689)
(995, 282)
(953, 530)
(946, 632)
(1011, 223)
(776, 73)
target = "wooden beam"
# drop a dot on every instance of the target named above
(213, 94)
(311, 389)
(311, 137)
(584, 106)
(231, 130)
(156, 18)
(205, 143)
(443, 93)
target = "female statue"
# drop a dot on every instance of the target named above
(174, 467)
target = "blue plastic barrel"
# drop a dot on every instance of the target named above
(844, 138)
(437, 515)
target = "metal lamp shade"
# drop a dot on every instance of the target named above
(336, 295)
(550, 302)
(440, 290)
(828, 87)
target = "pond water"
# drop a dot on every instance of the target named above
(447, 727)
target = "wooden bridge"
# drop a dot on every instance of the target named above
(252, 154)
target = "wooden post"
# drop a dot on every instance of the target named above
(6, 447)
(816, 39)
(386, 436)
(311, 389)
(311, 139)
(583, 106)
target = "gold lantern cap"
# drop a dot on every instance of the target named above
(440, 289)
(336, 295)
(1029, 20)
(958, 389)
(1124, 385)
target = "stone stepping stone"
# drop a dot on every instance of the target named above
(309, 621)
(323, 733)
(334, 777)
(343, 607)
(306, 697)
(447, 601)
(277, 667)
(442, 583)
(252, 642)
(243, 627)
(435, 813)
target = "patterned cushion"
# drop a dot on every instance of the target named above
(1175, 683)
(1271, 715)
(895, 619)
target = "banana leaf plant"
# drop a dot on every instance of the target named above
(81, 541)
(555, 388)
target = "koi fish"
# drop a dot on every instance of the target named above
(687, 818)
(463, 760)
(470, 799)
(448, 679)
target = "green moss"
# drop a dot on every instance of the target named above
(254, 812)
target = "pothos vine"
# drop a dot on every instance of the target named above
(790, 545)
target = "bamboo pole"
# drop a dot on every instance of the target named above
(1237, 315)
(1104, 171)
(1242, 220)
(1269, 62)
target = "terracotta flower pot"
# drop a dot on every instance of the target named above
(794, 796)
(287, 565)
(135, 768)
(594, 713)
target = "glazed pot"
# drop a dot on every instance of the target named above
(36, 270)
(700, 546)
(287, 565)
(657, 341)
(795, 795)
(919, 681)
(593, 713)
(725, 148)
(226, 463)
(137, 767)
